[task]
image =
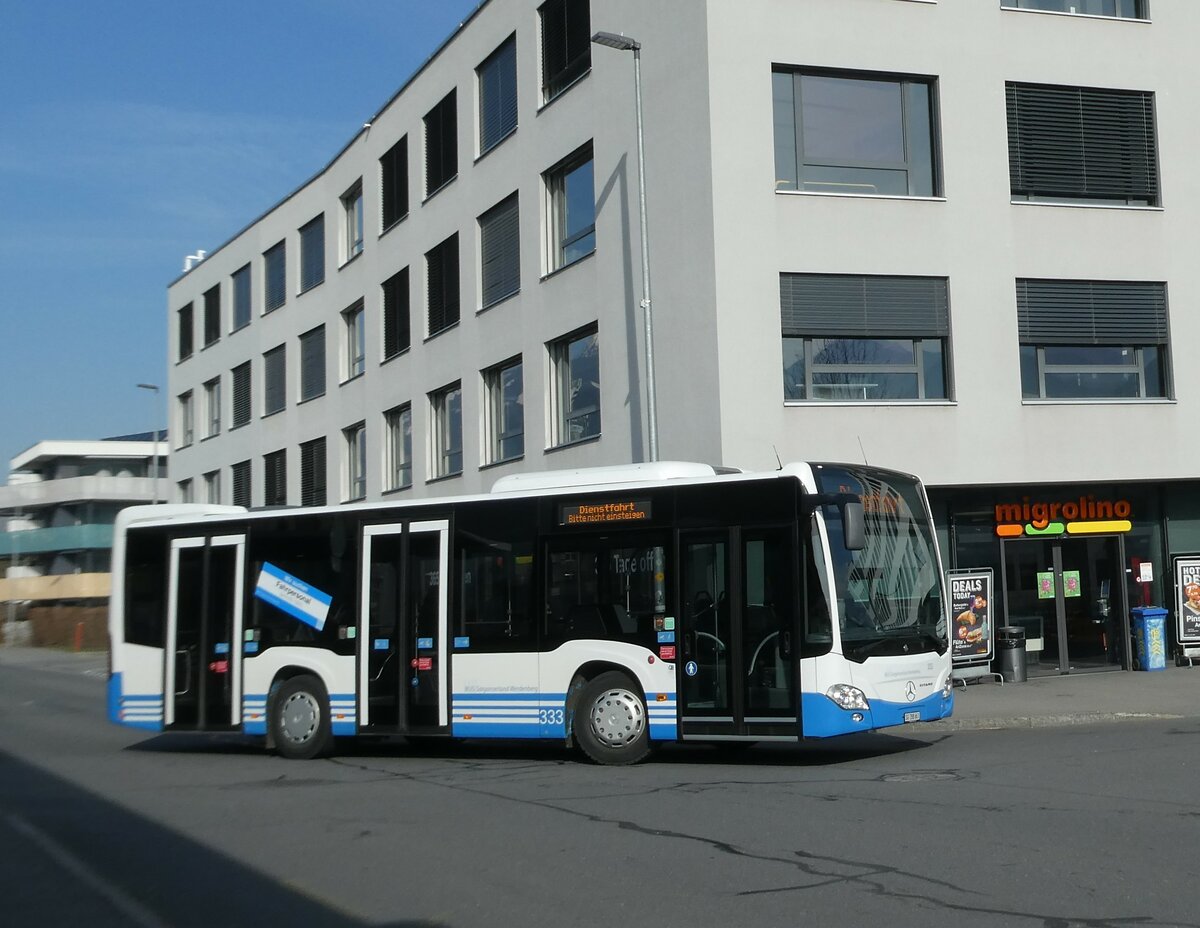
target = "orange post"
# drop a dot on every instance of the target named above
(78, 636)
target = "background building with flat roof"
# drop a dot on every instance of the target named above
(59, 506)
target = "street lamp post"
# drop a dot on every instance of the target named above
(153, 387)
(626, 44)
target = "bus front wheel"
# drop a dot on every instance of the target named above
(300, 719)
(610, 721)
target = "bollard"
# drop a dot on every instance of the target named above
(78, 636)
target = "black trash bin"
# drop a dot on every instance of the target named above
(1010, 654)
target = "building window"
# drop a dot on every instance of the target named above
(186, 420)
(354, 357)
(274, 380)
(854, 133)
(1082, 145)
(212, 315)
(849, 337)
(352, 222)
(275, 478)
(355, 439)
(242, 407)
(441, 265)
(393, 172)
(212, 487)
(185, 491)
(1123, 9)
(185, 332)
(505, 422)
(312, 364)
(398, 423)
(312, 473)
(241, 298)
(274, 277)
(312, 253)
(566, 44)
(445, 439)
(575, 386)
(441, 144)
(1093, 339)
(396, 334)
(212, 407)
(498, 95)
(500, 251)
(571, 201)
(240, 474)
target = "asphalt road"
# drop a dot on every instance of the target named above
(103, 826)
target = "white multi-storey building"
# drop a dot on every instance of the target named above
(955, 238)
(59, 506)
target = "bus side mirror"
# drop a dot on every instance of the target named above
(854, 525)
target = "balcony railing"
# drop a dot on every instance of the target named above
(59, 538)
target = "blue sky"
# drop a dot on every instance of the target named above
(133, 133)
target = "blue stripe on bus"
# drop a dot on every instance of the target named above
(540, 715)
(822, 718)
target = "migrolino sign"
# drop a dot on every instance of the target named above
(1084, 515)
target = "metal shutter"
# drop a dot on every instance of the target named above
(498, 95)
(442, 264)
(396, 336)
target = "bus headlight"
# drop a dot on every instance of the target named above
(948, 687)
(846, 696)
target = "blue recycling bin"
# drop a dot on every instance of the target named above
(1150, 637)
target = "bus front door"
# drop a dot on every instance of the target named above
(403, 628)
(203, 668)
(739, 631)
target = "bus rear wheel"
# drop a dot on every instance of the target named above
(610, 721)
(300, 719)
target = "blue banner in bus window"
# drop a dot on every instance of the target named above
(464, 642)
(292, 595)
(424, 642)
(666, 637)
(221, 647)
(381, 644)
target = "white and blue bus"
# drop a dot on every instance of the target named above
(612, 608)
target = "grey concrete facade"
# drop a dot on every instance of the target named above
(720, 236)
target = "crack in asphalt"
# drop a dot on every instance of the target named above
(822, 868)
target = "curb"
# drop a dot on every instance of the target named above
(1044, 721)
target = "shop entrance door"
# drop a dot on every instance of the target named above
(1068, 594)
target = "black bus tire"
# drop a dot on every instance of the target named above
(300, 719)
(611, 724)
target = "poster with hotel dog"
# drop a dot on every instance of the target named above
(1187, 597)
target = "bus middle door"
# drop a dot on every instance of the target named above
(403, 628)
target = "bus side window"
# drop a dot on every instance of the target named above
(818, 624)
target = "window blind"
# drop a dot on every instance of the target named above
(442, 266)
(1092, 312)
(500, 250)
(855, 305)
(1081, 142)
(393, 167)
(396, 335)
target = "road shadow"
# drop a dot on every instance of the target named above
(72, 857)
(812, 753)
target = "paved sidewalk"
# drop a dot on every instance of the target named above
(1076, 699)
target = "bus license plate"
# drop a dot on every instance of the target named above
(912, 716)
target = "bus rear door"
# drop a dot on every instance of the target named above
(203, 671)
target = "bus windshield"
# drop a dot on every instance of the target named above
(889, 593)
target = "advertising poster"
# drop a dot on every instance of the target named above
(1045, 582)
(1187, 597)
(1071, 583)
(971, 611)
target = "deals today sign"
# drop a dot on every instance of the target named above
(971, 615)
